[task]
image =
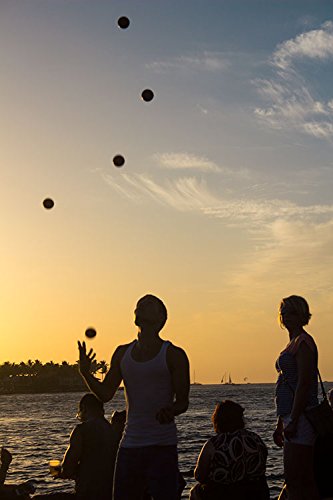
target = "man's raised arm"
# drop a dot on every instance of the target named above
(106, 389)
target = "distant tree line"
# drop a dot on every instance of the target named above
(36, 377)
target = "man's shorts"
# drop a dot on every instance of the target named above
(151, 470)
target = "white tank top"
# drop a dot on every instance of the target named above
(148, 388)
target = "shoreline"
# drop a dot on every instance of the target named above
(80, 389)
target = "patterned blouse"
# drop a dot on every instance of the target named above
(238, 455)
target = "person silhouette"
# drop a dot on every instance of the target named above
(12, 491)
(91, 455)
(231, 464)
(296, 390)
(157, 382)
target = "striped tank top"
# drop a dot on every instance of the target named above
(286, 367)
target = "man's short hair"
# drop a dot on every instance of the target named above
(161, 306)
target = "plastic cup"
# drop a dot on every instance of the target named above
(55, 467)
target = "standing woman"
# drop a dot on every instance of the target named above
(296, 390)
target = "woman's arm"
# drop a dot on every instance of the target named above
(306, 365)
(202, 468)
(278, 433)
(71, 460)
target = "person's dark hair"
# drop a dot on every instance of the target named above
(228, 417)
(297, 304)
(91, 402)
(161, 306)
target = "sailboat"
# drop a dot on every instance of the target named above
(194, 382)
(226, 380)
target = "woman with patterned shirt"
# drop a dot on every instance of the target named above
(232, 464)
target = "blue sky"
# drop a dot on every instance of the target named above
(224, 204)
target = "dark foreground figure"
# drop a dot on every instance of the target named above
(12, 491)
(232, 464)
(91, 455)
(297, 390)
(156, 379)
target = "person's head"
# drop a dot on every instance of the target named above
(150, 312)
(294, 312)
(228, 417)
(89, 407)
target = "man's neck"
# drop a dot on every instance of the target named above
(148, 345)
(149, 336)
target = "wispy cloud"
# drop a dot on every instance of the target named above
(191, 194)
(181, 161)
(184, 194)
(314, 44)
(322, 130)
(205, 61)
(291, 102)
(296, 248)
(203, 110)
(190, 161)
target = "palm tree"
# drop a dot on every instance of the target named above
(15, 369)
(102, 368)
(23, 368)
(37, 367)
(5, 369)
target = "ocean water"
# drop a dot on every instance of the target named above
(36, 428)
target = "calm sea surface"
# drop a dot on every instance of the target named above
(36, 428)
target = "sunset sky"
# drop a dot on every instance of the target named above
(224, 204)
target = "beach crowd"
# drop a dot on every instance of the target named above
(134, 455)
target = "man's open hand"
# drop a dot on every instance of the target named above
(86, 358)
